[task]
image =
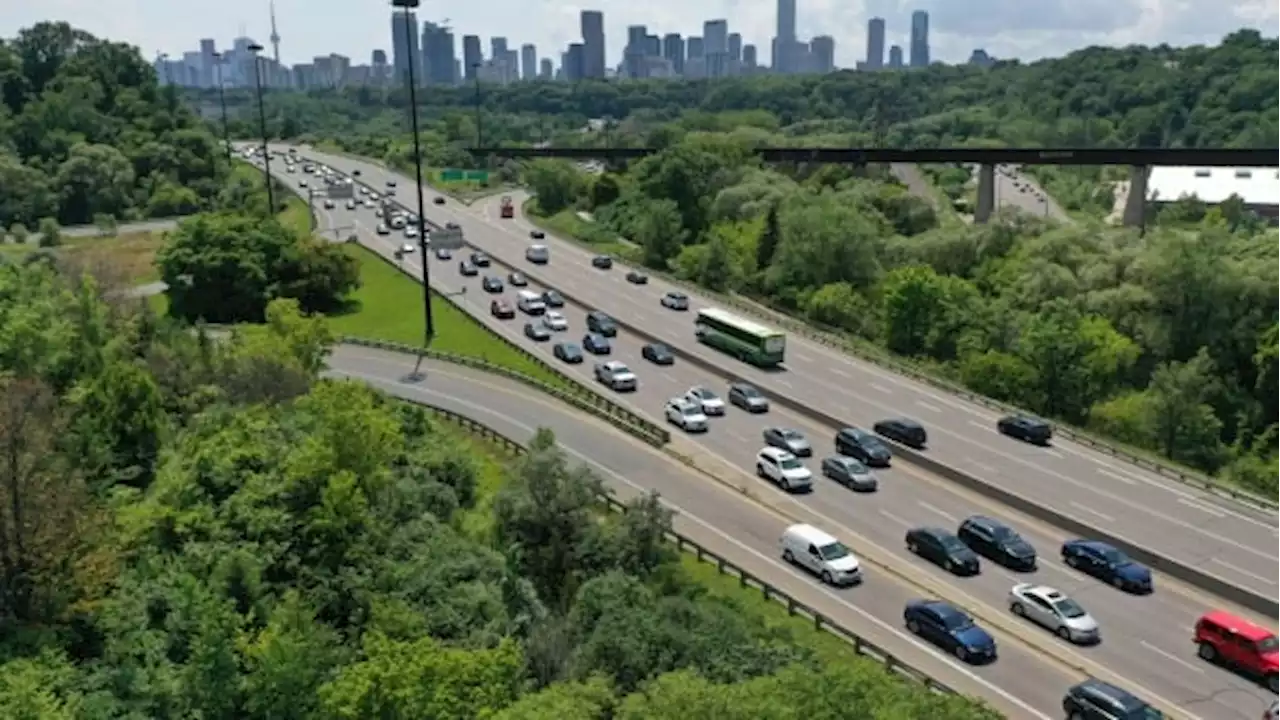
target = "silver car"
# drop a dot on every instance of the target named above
(793, 441)
(1052, 609)
(849, 472)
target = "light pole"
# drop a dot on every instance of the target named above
(222, 101)
(255, 48)
(408, 6)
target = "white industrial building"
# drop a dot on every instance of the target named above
(1259, 188)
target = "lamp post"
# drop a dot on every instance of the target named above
(222, 101)
(255, 48)
(408, 7)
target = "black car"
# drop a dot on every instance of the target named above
(1097, 700)
(602, 262)
(391, 183)
(492, 283)
(452, 226)
(517, 279)
(996, 541)
(600, 322)
(438, 200)
(479, 259)
(444, 254)
(552, 299)
(903, 430)
(354, 173)
(637, 278)
(862, 445)
(1107, 563)
(948, 627)
(596, 344)
(467, 268)
(942, 548)
(537, 234)
(748, 398)
(568, 352)
(1026, 429)
(537, 332)
(658, 354)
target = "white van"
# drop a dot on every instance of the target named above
(538, 254)
(820, 554)
(530, 303)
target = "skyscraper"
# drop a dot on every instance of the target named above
(528, 61)
(694, 47)
(208, 78)
(438, 54)
(735, 47)
(545, 69)
(784, 41)
(715, 47)
(875, 44)
(823, 51)
(472, 56)
(633, 64)
(497, 47)
(919, 39)
(574, 61)
(895, 56)
(673, 50)
(592, 51)
(749, 61)
(404, 49)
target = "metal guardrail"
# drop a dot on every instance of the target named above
(794, 607)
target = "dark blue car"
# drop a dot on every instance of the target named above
(596, 344)
(948, 627)
(1108, 564)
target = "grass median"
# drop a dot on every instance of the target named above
(566, 224)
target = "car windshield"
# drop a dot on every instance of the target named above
(952, 543)
(1114, 557)
(790, 462)
(955, 620)
(676, 296)
(1005, 534)
(1267, 644)
(1069, 608)
(749, 391)
(854, 466)
(833, 551)
(572, 350)
(704, 393)
(689, 410)
(792, 434)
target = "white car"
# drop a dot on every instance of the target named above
(686, 415)
(411, 232)
(1053, 610)
(408, 248)
(783, 469)
(710, 403)
(555, 321)
(351, 204)
(616, 375)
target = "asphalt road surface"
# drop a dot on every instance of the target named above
(1147, 646)
(1016, 189)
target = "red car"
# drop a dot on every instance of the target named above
(502, 309)
(1239, 644)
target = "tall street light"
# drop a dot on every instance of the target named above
(408, 6)
(255, 48)
(222, 100)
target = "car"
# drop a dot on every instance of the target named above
(819, 553)
(658, 354)
(302, 183)
(747, 397)
(1273, 711)
(537, 235)
(328, 204)
(950, 628)
(467, 268)
(553, 299)
(537, 332)
(373, 197)
(686, 415)
(397, 222)
(479, 259)
(793, 441)
(784, 469)
(1097, 700)
(1101, 560)
(675, 301)
(941, 548)
(411, 231)
(996, 541)
(596, 344)
(289, 169)
(351, 204)
(382, 229)
(903, 430)
(637, 278)
(438, 200)
(408, 248)
(1026, 429)
(377, 212)
(517, 279)
(452, 226)
(710, 402)
(601, 323)
(849, 472)
(444, 254)
(860, 444)
(617, 376)
(390, 193)
(1053, 610)
(568, 352)
(492, 283)
(602, 262)
(355, 173)
(391, 183)
(555, 321)
(502, 310)
(1238, 644)
(537, 254)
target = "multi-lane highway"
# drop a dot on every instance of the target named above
(1147, 645)
(1019, 190)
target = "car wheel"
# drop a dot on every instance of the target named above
(786, 555)
(961, 653)
(948, 566)
(1017, 610)
(1273, 684)
(914, 627)
(913, 549)
(760, 470)
(785, 483)
(826, 578)
(1207, 652)
(1075, 715)
(1064, 633)
(1118, 582)
(1071, 561)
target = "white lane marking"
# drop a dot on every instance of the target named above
(737, 436)
(982, 426)
(1054, 453)
(1091, 511)
(784, 383)
(981, 466)
(880, 388)
(775, 562)
(1242, 571)
(1118, 476)
(1171, 656)
(927, 406)
(895, 518)
(801, 358)
(840, 372)
(1201, 507)
(935, 510)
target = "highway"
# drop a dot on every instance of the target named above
(1147, 644)
(1019, 190)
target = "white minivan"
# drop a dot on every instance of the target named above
(530, 303)
(820, 554)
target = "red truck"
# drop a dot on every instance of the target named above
(507, 210)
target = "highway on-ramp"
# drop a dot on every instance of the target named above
(1147, 642)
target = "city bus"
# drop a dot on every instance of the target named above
(746, 340)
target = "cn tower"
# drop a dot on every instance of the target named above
(275, 36)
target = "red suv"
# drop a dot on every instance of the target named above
(1238, 643)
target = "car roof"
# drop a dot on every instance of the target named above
(1096, 545)
(775, 452)
(986, 522)
(615, 364)
(904, 422)
(810, 533)
(933, 530)
(1043, 591)
(1093, 686)
(1237, 625)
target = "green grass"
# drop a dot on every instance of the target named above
(567, 224)
(128, 259)
(388, 306)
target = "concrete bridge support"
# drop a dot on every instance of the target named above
(986, 194)
(1135, 206)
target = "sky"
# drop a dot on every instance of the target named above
(1026, 29)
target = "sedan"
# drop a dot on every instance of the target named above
(948, 627)
(849, 472)
(492, 283)
(568, 352)
(408, 249)
(479, 259)
(391, 183)
(328, 204)
(637, 278)
(351, 204)
(942, 548)
(658, 354)
(747, 397)
(686, 415)
(793, 441)
(1053, 610)
(382, 229)
(996, 541)
(502, 310)
(675, 301)
(1108, 564)
(438, 200)
(537, 332)
(444, 254)
(602, 262)
(711, 404)
(467, 268)
(517, 279)
(553, 299)
(537, 235)
(596, 344)
(555, 321)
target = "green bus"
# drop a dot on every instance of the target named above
(743, 339)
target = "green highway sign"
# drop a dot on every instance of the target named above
(452, 175)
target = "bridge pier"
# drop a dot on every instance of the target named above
(986, 194)
(1135, 206)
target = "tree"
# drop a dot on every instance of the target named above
(604, 190)
(659, 233)
(556, 184)
(769, 238)
(19, 233)
(50, 233)
(1183, 419)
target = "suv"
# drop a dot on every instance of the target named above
(1097, 700)
(784, 469)
(862, 445)
(599, 322)
(903, 430)
(1026, 429)
(1238, 643)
